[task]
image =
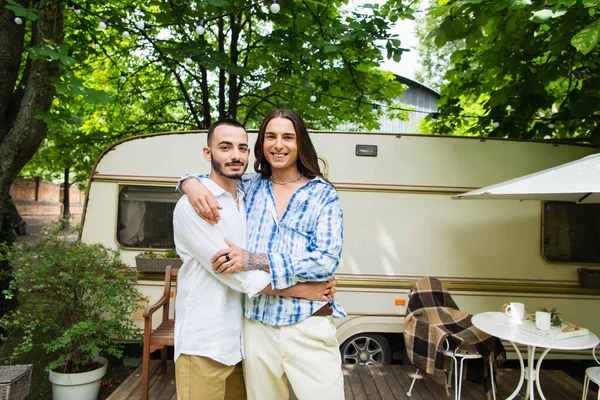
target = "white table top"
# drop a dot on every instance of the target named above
(487, 323)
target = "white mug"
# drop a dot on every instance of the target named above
(542, 320)
(516, 310)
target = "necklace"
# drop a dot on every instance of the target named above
(285, 183)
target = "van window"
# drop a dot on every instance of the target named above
(146, 216)
(572, 232)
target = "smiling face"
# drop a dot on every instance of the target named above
(228, 152)
(280, 145)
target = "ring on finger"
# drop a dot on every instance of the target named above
(227, 257)
(228, 264)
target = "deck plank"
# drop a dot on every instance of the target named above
(396, 388)
(130, 381)
(503, 388)
(131, 388)
(368, 383)
(347, 388)
(377, 373)
(163, 384)
(358, 391)
(509, 378)
(557, 381)
(380, 383)
(405, 375)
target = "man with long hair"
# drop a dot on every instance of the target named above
(295, 233)
(208, 327)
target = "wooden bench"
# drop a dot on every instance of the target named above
(163, 335)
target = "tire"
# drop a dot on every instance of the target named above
(366, 349)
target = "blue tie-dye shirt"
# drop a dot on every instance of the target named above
(305, 245)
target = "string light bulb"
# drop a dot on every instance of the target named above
(200, 28)
(496, 124)
(140, 25)
(18, 21)
(122, 77)
(188, 60)
(375, 109)
(76, 10)
(275, 7)
(102, 24)
(126, 34)
(313, 96)
(551, 125)
(434, 116)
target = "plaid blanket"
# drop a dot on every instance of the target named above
(432, 316)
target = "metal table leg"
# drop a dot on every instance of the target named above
(537, 373)
(522, 377)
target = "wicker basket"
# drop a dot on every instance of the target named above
(589, 278)
(15, 381)
(156, 265)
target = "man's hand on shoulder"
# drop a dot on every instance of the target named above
(202, 199)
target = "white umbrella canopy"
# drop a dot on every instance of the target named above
(577, 182)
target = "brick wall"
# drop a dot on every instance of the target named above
(41, 202)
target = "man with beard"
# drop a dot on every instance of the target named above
(208, 327)
(295, 232)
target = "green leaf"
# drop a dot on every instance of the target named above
(591, 3)
(18, 10)
(546, 14)
(61, 87)
(44, 116)
(471, 40)
(96, 96)
(586, 39)
(329, 48)
(66, 60)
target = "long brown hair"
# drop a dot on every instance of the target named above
(307, 162)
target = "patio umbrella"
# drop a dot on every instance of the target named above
(577, 182)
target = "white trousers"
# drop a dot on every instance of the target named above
(307, 354)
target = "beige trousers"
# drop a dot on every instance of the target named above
(202, 378)
(307, 354)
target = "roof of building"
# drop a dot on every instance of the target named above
(412, 83)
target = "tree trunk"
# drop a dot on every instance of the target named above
(234, 88)
(222, 78)
(20, 132)
(205, 99)
(66, 200)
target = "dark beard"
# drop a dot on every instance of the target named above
(216, 166)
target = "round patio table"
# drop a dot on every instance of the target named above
(492, 324)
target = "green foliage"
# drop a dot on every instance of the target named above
(532, 69)
(77, 297)
(248, 62)
(7, 238)
(434, 61)
(20, 11)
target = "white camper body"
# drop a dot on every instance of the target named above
(400, 220)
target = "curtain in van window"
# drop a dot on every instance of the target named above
(132, 222)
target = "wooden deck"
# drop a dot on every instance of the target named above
(382, 382)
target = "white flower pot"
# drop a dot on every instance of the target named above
(80, 386)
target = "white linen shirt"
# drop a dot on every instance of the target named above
(209, 307)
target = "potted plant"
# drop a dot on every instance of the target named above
(156, 262)
(76, 301)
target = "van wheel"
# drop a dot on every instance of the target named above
(366, 349)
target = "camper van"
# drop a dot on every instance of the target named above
(401, 222)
